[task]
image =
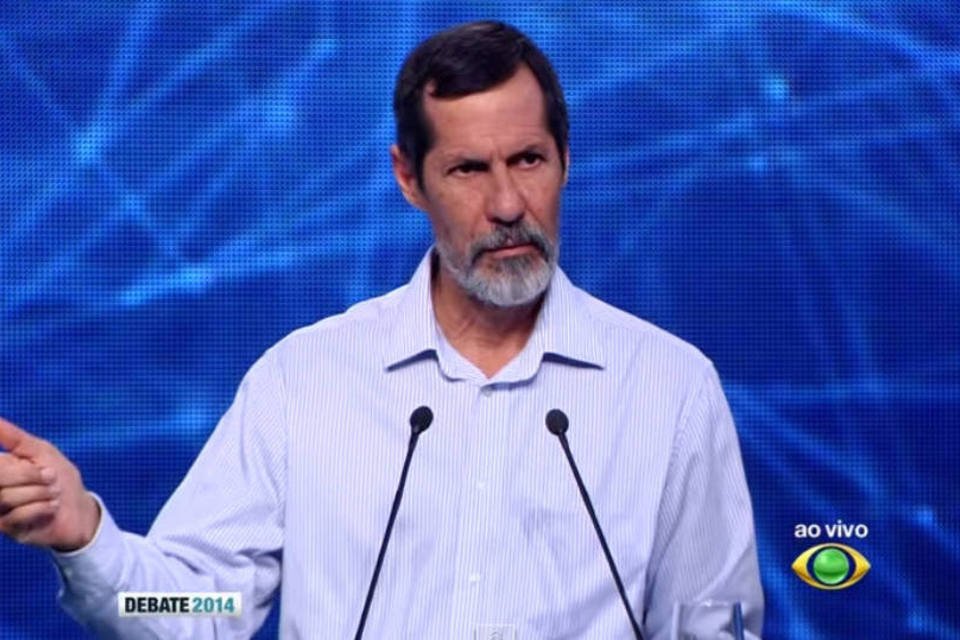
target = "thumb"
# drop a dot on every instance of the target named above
(17, 441)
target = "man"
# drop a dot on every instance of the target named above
(492, 536)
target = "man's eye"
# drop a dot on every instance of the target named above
(466, 168)
(530, 159)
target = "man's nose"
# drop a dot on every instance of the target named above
(506, 203)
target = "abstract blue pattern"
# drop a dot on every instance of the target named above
(183, 183)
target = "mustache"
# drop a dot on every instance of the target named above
(503, 237)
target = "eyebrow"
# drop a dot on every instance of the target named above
(459, 159)
(474, 165)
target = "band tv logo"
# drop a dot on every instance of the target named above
(831, 565)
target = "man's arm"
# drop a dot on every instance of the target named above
(220, 531)
(705, 546)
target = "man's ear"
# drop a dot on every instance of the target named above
(566, 165)
(406, 178)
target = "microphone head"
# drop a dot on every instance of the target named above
(420, 419)
(557, 422)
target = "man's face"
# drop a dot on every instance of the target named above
(491, 188)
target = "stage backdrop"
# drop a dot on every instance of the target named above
(182, 183)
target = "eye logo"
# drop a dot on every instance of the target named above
(827, 566)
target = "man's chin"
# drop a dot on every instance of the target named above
(513, 285)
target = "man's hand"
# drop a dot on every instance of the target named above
(42, 498)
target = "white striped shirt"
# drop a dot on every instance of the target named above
(294, 487)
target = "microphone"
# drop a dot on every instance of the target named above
(420, 419)
(557, 424)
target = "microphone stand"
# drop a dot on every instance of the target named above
(557, 423)
(420, 419)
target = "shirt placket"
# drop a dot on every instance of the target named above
(478, 514)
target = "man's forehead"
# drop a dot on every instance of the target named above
(517, 105)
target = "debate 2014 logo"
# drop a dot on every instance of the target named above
(831, 565)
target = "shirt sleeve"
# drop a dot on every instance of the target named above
(705, 545)
(221, 530)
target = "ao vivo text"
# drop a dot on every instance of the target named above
(838, 529)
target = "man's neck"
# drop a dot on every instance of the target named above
(486, 335)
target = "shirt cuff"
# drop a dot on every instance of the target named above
(94, 571)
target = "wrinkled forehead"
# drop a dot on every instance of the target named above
(516, 103)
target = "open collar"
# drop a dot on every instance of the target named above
(564, 331)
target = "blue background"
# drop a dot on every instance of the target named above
(183, 183)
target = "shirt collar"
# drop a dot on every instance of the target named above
(414, 331)
(565, 326)
(564, 330)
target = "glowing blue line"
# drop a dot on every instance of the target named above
(877, 389)
(237, 124)
(806, 445)
(197, 62)
(905, 225)
(139, 29)
(18, 65)
(849, 23)
(52, 272)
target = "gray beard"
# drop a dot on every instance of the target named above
(514, 281)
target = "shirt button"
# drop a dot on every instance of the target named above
(474, 578)
(487, 392)
(481, 485)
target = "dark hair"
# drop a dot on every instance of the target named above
(466, 59)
